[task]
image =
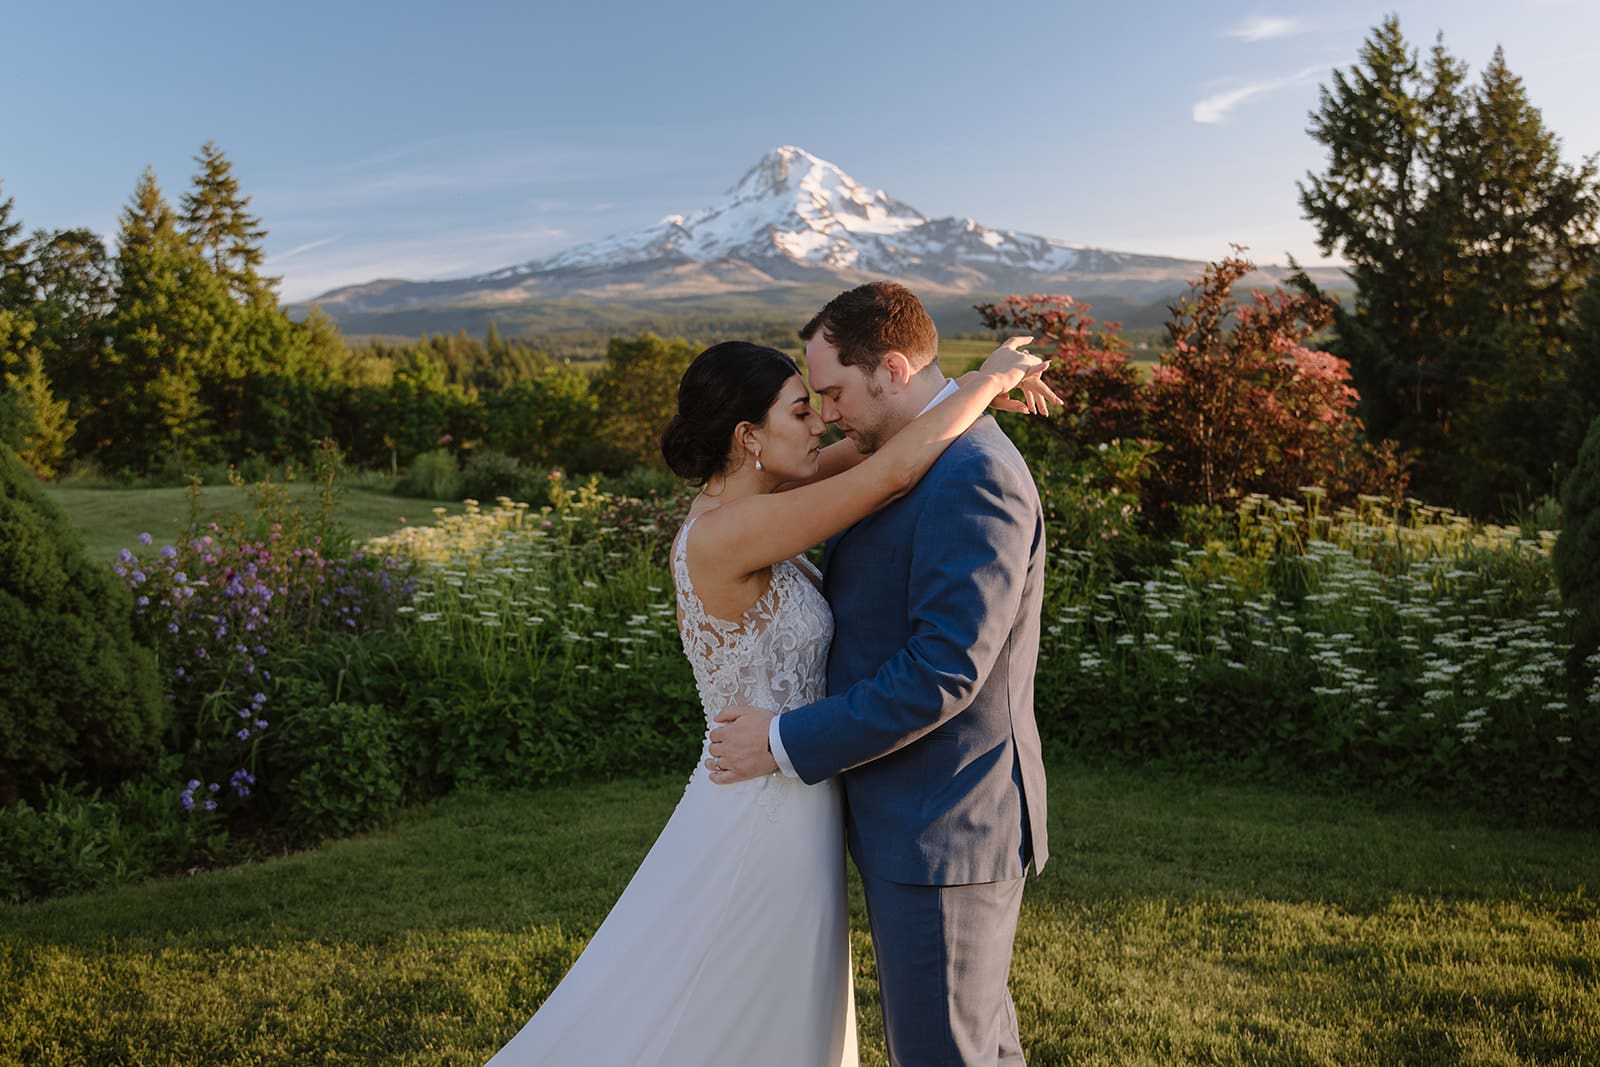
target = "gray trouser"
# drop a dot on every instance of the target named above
(944, 958)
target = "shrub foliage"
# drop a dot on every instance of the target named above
(1577, 558)
(1240, 404)
(82, 697)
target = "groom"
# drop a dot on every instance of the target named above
(936, 602)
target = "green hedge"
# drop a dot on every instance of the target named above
(83, 699)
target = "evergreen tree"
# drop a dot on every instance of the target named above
(75, 286)
(1528, 239)
(15, 287)
(1577, 560)
(1386, 125)
(36, 424)
(32, 421)
(1467, 238)
(1583, 351)
(170, 319)
(16, 417)
(494, 345)
(228, 236)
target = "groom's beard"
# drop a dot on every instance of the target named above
(878, 427)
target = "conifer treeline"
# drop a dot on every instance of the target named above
(1470, 242)
(175, 352)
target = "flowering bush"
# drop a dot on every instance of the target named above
(1240, 404)
(542, 644)
(1399, 646)
(1099, 388)
(218, 609)
(74, 838)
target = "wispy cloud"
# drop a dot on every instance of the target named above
(444, 255)
(307, 247)
(448, 207)
(1215, 108)
(1265, 28)
(456, 166)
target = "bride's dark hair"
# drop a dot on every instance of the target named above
(727, 384)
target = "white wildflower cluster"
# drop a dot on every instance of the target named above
(513, 585)
(1409, 611)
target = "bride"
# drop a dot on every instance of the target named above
(731, 943)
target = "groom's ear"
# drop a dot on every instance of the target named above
(898, 366)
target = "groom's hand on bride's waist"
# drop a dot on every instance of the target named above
(739, 748)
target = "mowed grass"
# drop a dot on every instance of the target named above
(957, 355)
(112, 519)
(1179, 921)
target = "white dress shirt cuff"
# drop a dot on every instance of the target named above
(775, 742)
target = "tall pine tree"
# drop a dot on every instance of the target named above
(171, 317)
(32, 421)
(15, 286)
(1467, 238)
(1528, 235)
(1385, 124)
(228, 236)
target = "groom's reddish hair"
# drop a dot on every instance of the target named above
(865, 322)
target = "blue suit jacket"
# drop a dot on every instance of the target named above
(936, 602)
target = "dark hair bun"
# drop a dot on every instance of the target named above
(727, 384)
(686, 454)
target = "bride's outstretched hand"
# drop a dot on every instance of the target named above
(1015, 368)
(1036, 395)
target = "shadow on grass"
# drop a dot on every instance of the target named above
(1178, 921)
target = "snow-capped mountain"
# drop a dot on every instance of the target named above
(789, 206)
(792, 219)
(792, 209)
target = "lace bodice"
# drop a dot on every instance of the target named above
(773, 658)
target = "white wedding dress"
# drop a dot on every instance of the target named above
(731, 943)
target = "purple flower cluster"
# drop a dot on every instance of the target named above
(216, 607)
(187, 796)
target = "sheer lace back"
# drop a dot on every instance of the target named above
(775, 657)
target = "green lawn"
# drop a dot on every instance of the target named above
(957, 355)
(113, 519)
(1179, 921)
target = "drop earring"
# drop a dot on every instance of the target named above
(758, 462)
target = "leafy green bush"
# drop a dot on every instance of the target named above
(82, 697)
(1577, 559)
(76, 839)
(642, 483)
(491, 474)
(334, 768)
(432, 476)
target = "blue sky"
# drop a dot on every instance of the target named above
(425, 140)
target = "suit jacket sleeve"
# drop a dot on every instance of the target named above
(969, 559)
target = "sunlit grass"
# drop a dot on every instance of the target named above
(112, 519)
(1179, 921)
